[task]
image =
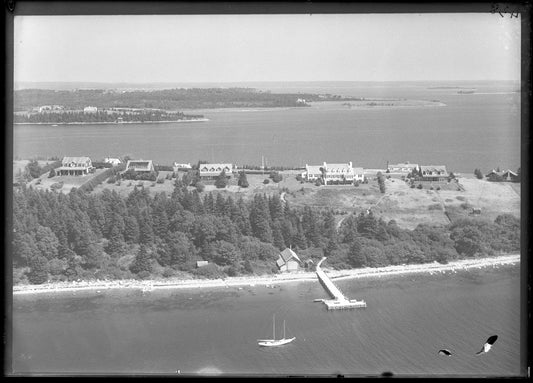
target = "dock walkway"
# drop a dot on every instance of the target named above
(339, 301)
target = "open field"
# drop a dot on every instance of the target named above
(406, 205)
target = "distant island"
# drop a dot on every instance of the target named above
(93, 106)
(104, 116)
(448, 87)
(168, 99)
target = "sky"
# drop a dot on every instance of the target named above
(250, 48)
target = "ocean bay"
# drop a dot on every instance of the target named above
(201, 331)
(471, 131)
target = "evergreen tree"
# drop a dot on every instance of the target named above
(142, 262)
(243, 181)
(131, 229)
(221, 181)
(356, 258)
(275, 207)
(38, 270)
(277, 236)
(260, 219)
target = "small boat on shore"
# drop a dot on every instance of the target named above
(275, 342)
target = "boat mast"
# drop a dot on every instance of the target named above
(284, 329)
(274, 326)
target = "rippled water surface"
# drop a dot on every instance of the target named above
(204, 331)
(480, 130)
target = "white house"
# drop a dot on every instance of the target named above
(288, 261)
(338, 173)
(112, 161)
(312, 172)
(343, 173)
(90, 109)
(214, 170)
(75, 166)
(433, 173)
(178, 166)
(403, 167)
(358, 174)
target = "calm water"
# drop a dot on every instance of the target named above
(479, 130)
(408, 319)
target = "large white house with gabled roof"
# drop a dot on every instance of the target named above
(75, 166)
(343, 173)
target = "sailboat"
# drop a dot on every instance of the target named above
(275, 342)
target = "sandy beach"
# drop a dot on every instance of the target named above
(267, 280)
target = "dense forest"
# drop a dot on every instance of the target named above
(168, 99)
(82, 235)
(101, 116)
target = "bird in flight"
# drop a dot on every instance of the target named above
(488, 344)
(445, 352)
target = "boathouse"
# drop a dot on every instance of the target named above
(140, 165)
(211, 171)
(288, 261)
(201, 263)
(75, 166)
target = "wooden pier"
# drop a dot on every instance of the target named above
(339, 301)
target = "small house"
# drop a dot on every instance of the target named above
(288, 261)
(140, 165)
(201, 263)
(403, 167)
(75, 166)
(112, 161)
(90, 109)
(312, 172)
(211, 171)
(180, 166)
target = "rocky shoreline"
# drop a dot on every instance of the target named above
(149, 285)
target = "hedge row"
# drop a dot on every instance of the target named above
(98, 179)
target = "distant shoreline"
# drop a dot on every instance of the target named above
(149, 285)
(109, 123)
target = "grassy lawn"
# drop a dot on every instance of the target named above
(44, 183)
(407, 206)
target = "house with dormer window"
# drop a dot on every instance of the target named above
(75, 166)
(211, 171)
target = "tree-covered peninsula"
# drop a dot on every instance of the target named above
(167, 99)
(84, 235)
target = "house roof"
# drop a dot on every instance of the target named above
(76, 160)
(215, 167)
(313, 169)
(139, 164)
(403, 165)
(287, 254)
(358, 170)
(433, 168)
(338, 167)
(502, 174)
